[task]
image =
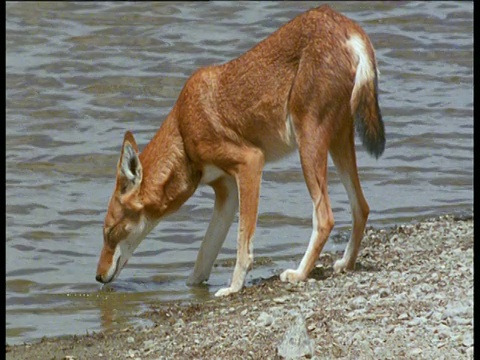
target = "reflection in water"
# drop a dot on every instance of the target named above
(108, 308)
(79, 74)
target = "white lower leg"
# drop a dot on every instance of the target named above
(242, 266)
(358, 226)
(311, 255)
(215, 236)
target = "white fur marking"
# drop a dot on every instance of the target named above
(313, 239)
(215, 236)
(290, 131)
(211, 173)
(364, 68)
(126, 247)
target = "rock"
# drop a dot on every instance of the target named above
(467, 340)
(384, 292)
(358, 302)
(470, 352)
(180, 323)
(309, 314)
(147, 344)
(280, 300)
(277, 311)
(296, 342)
(443, 331)
(390, 329)
(453, 310)
(416, 321)
(265, 319)
(416, 352)
(130, 340)
(461, 321)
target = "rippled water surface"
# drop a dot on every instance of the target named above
(79, 74)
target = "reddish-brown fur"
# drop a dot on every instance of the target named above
(293, 88)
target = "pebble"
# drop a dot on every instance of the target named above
(180, 323)
(265, 319)
(384, 292)
(130, 340)
(461, 321)
(296, 343)
(309, 314)
(416, 321)
(280, 300)
(390, 329)
(470, 352)
(358, 302)
(467, 340)
(415, 352)
(147, 344)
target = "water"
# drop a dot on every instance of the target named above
(79, 74)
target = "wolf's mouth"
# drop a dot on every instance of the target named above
(114, 275)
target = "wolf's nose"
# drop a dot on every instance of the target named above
(99, 278)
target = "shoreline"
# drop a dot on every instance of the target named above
(410, 296)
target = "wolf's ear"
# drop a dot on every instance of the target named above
(129, 168)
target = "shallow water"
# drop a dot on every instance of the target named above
(79, 74)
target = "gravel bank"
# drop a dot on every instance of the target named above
(411, 297)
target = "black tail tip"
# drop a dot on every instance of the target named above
(373, 139)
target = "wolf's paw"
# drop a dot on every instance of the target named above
(342, 265)
(226, 291)
(292, 276)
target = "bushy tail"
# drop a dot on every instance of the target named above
(364, 100)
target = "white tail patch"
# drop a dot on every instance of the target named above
(364, 66)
